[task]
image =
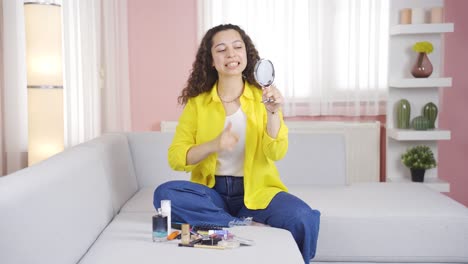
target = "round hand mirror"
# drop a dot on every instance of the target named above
(264, 72)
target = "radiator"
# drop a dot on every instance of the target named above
(362, 144)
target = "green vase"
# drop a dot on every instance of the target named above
(403, 114)
(420, 123)
(430, 112)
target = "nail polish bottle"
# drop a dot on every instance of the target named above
(159, 227)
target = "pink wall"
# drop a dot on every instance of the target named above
(453, 154)
(162, 47)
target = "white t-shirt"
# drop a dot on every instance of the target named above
(231, 163)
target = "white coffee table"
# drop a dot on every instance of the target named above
(128, 240)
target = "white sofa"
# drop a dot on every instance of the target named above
(93, 204)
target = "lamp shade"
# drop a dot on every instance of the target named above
(44, 76)
(43, 44)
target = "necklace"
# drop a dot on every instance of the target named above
(228, 102)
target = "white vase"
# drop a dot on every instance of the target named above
(417, 16)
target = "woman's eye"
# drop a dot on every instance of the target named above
(221, 50)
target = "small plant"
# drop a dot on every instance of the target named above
(424, 46)
(419, 157)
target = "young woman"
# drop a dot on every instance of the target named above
(229, 140)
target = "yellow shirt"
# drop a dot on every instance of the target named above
(203, 119)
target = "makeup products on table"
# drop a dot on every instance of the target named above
(201, 246)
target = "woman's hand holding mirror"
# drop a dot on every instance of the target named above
(264, 74)
(275, 99)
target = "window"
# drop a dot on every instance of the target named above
(330, 56)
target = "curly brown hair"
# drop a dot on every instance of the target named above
(203, 75)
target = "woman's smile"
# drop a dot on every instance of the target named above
(232, 65)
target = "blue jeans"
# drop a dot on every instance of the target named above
(198, 204)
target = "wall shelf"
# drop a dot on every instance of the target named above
(418, 91)
(421, 29)
(431, 182)
(421, 82)
(418, 135)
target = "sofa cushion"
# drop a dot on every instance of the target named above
(314, 158)
(118, 165)
(56, 209)
(387, 222)
(128, 240)
(326, 165)
(149, 152)
(141, 202)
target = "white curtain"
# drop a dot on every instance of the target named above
(116, 92)
(81, 48)
(96, 84)
(330, 56)
(13, 122)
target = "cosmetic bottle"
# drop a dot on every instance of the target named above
(159, 227)
(185, 234)
(166, 211)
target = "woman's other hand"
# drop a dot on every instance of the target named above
(227, 140)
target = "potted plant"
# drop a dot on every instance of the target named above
(423, 66)
(418, 159)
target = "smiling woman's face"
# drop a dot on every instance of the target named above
(229, 53)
